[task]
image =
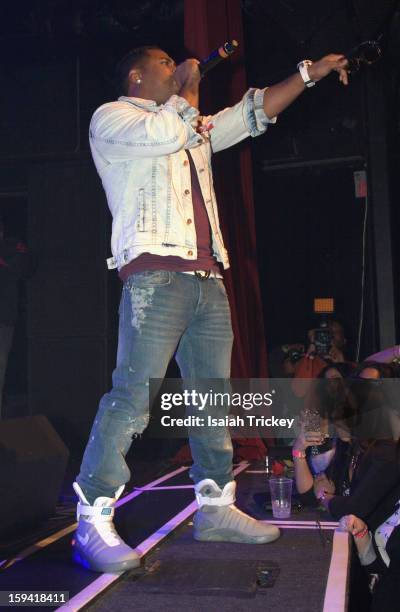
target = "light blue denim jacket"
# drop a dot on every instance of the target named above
(139, 147)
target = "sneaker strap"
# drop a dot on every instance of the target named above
(226, 496)
(104, 513)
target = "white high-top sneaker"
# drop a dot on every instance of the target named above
(96, 544)
(218, 520)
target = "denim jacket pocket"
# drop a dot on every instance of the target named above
(149, 278)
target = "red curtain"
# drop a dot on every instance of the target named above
(208, 24)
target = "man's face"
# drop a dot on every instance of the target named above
(157, 74)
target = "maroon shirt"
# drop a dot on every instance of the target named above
(205, 258)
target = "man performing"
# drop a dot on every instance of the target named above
(152, 151)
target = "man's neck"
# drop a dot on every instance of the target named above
(137, 92)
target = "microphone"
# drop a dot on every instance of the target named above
(217, 56)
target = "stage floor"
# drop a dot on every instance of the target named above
(308, 564)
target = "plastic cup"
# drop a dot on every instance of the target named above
(281, 497)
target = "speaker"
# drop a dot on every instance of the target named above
(33, 460)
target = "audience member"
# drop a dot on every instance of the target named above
(376, 391)
(318, 356)
(359, 473)
(377, 541)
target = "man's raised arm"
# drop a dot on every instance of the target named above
(280, 96)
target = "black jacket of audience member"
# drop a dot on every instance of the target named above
(386, 595)
(372, 487)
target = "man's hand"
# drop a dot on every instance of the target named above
(188, 76)
(320, 69)
(188, 72)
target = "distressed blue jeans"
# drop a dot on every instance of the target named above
(161, 313)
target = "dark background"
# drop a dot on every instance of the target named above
(57, 64)
(310, 224)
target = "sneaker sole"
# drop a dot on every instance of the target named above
(221, 535)
(109, 568)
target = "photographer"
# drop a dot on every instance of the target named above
(329, 343)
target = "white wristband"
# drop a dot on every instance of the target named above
(303, 69)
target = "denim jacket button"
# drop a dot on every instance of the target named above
(190, 253)
(188, 221)
(186, 162)
(187, 191)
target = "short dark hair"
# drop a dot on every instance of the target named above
(132, 59)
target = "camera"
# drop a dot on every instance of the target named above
(322, 335)
(322, 340)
